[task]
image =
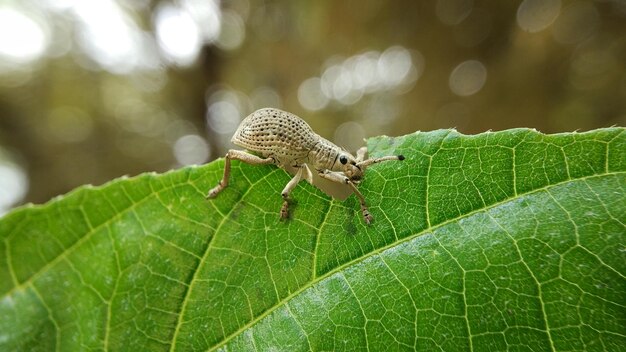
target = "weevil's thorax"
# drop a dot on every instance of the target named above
(328, 156)
(324, 154)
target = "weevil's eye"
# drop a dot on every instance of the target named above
(343, 159)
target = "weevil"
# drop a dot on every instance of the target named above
(281, 138)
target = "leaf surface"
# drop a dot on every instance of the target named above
(503, 240)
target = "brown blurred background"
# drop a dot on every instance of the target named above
(92, 90)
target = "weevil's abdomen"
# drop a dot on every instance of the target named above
(277, 133)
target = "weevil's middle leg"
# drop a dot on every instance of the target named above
(341, 178)
(284, 210)
(237, 155)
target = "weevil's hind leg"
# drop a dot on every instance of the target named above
(360, 154)
(284, 210)
(237, 155)
(341, 178)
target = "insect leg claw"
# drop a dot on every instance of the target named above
(284, 210)
(368, 218)
(213, 192)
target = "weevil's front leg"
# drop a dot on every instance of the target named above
(341, 178)
(237, 155)
(284, 210)
(360, 154)
(366, 213)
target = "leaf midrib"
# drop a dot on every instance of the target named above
(408, 238)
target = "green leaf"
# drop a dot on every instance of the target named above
(504, 240)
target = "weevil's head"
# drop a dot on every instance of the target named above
(348, 164)
(354, 168)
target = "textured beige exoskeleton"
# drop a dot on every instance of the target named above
(281, 138)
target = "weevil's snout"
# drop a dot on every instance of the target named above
(354, 172)
(356, 177)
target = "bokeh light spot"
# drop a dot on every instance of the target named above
(310, 94)
(365, 72)
(468, 78)
(536, 15)
(349, 135)
(233, 31)
(177, 34)
(265, 97)
(108, 35)
(21, 38)
(207, 14)
(191, 149)
(346, 81)
(13, 185)
(394, 65)
(223, 117)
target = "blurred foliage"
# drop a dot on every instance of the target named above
(94, 90)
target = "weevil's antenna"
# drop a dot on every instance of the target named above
(368, 162)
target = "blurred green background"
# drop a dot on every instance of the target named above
(92, 90)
